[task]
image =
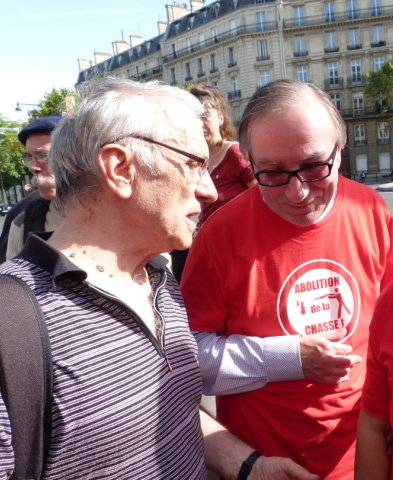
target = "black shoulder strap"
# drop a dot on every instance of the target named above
(35, 214)
(25, 375)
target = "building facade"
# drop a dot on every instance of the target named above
(239, 45)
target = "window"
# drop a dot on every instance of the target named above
(360, 135)
(329, 11)
(262, 50)
(383, 132)
(188, 72)
(300, 45)
(336, 99)
(202, 40)
(145, 67)
(376, 8)
(357, 103)
(173, 76)
(136, 70)
(234, 85)
(361, 163)
(201, 69)
(378, 37)
(352, 8)
(232, 57)
(233, 28)
(190, 48)
(384, 162)
(331, 42)
(356, 72)
(333, 74)
(261, 21)
(302, 73)
(214, 32)
(378, 62)
(174, 53)
(213, 63)
(264, 77)
(354, 38)
(298, 15)
(190, 22)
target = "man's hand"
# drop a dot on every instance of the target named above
(277, 468)
(326, 361)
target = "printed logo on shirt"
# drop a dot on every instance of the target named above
(319, 296)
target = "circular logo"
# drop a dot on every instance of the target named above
(319, 296)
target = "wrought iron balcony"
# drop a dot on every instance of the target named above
(234, 94)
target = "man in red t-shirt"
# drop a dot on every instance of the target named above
(281, 282)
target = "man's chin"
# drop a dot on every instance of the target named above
(47, 193)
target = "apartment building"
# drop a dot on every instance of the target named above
(239, 45)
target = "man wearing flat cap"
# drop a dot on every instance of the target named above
(38, 211)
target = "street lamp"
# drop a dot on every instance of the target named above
(19, 109)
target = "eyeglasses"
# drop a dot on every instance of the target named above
(202, 162)
(40, 157)
(309, 174)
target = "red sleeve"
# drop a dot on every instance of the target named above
(202, 279)
(376, 396)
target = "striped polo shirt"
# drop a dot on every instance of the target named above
(125, 404)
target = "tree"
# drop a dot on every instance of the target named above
(54, 103)
(11, 151)
(379, 87)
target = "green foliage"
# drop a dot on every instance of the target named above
(379, 85)
(11, 150)
(54, 103)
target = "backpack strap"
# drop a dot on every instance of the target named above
(35, 215)
(26, 375)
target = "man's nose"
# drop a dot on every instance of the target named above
(206, 191)
(295, 190)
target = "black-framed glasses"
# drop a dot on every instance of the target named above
(309, 174)
(203, 162)
(40, 157)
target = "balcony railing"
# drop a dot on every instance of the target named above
(332, 49)
(300, 53)
(365, 112)
(338, 17)
(336, 82)
(383, 141)
(360, 142)
(201, 74)
(355, 80)
(188, 78)
(381, 43)
(240, 30)
(232, 64)
(354, 46)
(213, 70)
(234, 94)
(263, 58)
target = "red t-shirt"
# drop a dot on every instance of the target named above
(230, 177)
(251, 272)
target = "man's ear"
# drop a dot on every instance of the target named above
(116, 166)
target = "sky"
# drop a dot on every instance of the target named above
(41, 42)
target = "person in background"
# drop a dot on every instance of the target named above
(374, 434)
(130, 164)
(230, 171)
(280, 285)
(38, 211)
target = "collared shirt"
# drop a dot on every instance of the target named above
(125, 405)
